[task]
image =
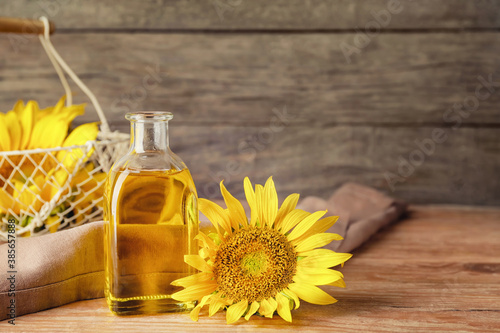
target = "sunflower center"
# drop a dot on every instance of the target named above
(254, 264)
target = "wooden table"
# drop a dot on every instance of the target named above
(437, 270)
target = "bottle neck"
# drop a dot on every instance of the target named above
(149, 136)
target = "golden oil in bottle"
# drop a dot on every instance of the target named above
(151, 219)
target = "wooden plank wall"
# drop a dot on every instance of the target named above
(294, 89)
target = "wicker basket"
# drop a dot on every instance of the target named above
(64, 185)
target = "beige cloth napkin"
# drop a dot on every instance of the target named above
(67, 266)
(362, 212)
(54, 269)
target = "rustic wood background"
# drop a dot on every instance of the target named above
(226, 68)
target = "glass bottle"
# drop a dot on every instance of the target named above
(151, 219)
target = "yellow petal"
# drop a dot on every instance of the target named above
(293, 296)
(319, 227)
(214, 307)
(15, 130)
(195, 292)
(18, 187)
(56, 179)
(286, 207)
(311, 294)
(267, 307)
(293, 218)
(78, 137)
(197, 262)
(196, 311)
(253, 308)
(52, 124)
(215, 214)
(37, 113)
(18, 199)
(274, 305)
(18, 107)
(315, 241)
(27, 197)
(284, 307)
(305, 224)
(250, 195)
(339, 283)
(236, 210)
(83, 176)
(71, 157)
(317, 276)
(235, 311)
(53, 110)
(4, 134)
(27, 119)
(323, 258)
(259, 208)
(193, 279)
(270, 204)
(71, 112)
(67, 113)
(205, 253)
(48, 133)
(87, 178)
(6, 201)
(208, 252)
(88, 182)
(207, 241)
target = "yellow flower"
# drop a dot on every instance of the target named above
(28, 180)
(87, 188)
(264, 264)
(28, 127)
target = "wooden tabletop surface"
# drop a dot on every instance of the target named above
(437, 270)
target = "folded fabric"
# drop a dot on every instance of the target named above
(54, 269)
(362, 212)
(67, 266)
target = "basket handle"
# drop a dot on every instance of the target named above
(60, 65)
(43, 27)
(24, 26)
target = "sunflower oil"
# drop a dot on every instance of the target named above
(152, 219)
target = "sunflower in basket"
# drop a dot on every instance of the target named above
(50, 185)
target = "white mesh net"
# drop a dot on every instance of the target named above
(45, 190)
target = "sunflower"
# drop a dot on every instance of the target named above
(28, 180)
(87, 187)
(264, 264)
(29, 127)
